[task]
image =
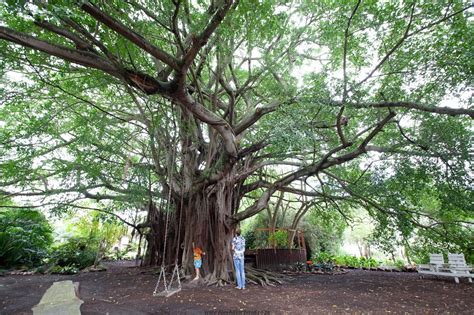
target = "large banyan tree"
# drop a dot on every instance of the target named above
(199, 111)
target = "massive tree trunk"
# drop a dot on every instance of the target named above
(160, 236)
(206, 216)
(200, 218)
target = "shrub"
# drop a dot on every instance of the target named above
(371, 263)
(279, 238)
(77, 252)
(324, 258)
(25, 237)
(346, 260)
(250, 239)
(399, 264)
(127, 253)
(352, 261)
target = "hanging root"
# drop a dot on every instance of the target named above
(264, 277)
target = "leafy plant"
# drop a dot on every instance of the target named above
(250, 239)
(25, 236)
(399, 264)
(324, 258)
(279, 239)
(76, 251)
(129, 252)
(346, 261)
(371, 263)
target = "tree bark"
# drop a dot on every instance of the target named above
(199, 218)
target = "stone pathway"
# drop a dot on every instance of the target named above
(59, 299)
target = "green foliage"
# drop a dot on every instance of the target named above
(455, 240)
(76, 252)
(368, 262)
(25, 237)
(92, 232)
(323, 258)
(399, 264)
(83, 128)
(345, 260)
(324, 230)
(98, 228)
(424, 192)
(127, 253)
(279, 239)
(250, 239)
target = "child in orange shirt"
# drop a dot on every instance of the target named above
(197, 260)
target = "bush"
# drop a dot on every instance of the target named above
(127, 253)
(368, 262)
(399, 264)
(25, 237)
(76, 252)
(279, 238)
(250, 239)
(346, 261)
(324, 258)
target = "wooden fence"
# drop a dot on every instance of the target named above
(277, 258)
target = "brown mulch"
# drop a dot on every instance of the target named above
(129, 290)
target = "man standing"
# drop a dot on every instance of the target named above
(238, 249)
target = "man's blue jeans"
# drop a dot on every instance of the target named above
(239, 272)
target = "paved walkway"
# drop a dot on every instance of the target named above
(59, 299)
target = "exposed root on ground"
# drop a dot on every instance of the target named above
(218, 282)
(252, 275)
(264, 277)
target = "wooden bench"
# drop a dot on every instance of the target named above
(436, 264)
(456, 267)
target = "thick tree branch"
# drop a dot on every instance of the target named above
(252, 118)
(205, 115)
(201, 40)
(79, 42)
(442, 110)
(84, 58)
(129, 34)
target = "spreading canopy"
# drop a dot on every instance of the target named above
(130, 101)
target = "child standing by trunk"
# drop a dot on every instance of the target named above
(197, 260)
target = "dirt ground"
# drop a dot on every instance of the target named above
(123, 289)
